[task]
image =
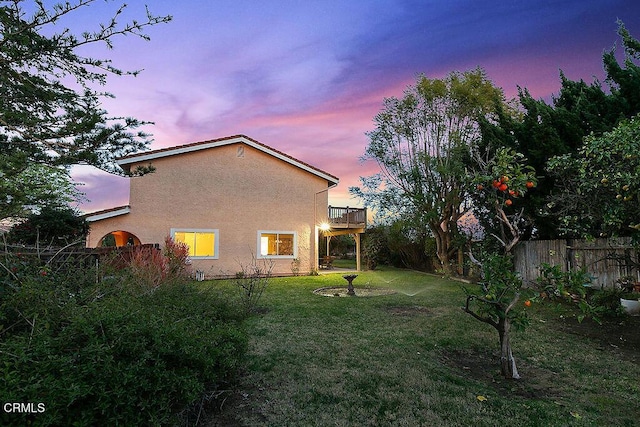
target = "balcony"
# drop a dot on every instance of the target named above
(346, 217)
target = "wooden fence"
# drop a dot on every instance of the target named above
(56, 258)
(606, 260)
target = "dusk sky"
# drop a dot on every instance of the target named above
(307, 77)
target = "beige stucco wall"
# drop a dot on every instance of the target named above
(237, 192)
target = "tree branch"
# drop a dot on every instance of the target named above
(468, 310)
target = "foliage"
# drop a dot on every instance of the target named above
(399, 244)
(501, 180)
(421, 142)
(554, 283)
(49, 227)
(252, 280)
(28, 190)
(502, 177)
(495, 302)
(110, 352)
(50, 111)
(625, 79)
(541, 131)
(375, 248)
(498, 289)
(606, 303)
(600, 191)
(571, 286)
(152, 267)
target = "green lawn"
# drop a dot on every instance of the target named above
(344, 263)
(415, 359)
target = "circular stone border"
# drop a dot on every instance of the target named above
(341, 291)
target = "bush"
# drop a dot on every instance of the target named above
(50, 227)
(557, 284)
(152, 267)
(114, 352)
(251, 281)
(398, 245)
(608, 301)
(573, 287)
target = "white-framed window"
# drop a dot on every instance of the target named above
(202, 243)
(277, 244)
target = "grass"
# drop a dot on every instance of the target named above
(415, 359)
(344, 263)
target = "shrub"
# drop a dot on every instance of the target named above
(152, 267)
(400, 245)
(573, 287)
(50, 227)
(608, 302)
(557, 284)
(111, 352)
(252, 280)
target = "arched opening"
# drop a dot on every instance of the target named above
(119, 238)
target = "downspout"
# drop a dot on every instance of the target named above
(315, 226)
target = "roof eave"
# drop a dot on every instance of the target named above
(108, 213)
(126, 162)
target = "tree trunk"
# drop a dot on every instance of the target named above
(443, 243)
(507, 362)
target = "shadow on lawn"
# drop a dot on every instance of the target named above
(621, 336)
(484, 367)
(480, 366)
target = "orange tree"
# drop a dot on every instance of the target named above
(499, 183)
(600, 192)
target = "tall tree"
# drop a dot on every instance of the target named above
(625, 79)
(50, 110)
(421, 143)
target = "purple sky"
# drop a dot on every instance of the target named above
(307, 77)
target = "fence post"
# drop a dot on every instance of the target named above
(569, 255)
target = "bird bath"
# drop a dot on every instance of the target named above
(349, 291)
(349, 278)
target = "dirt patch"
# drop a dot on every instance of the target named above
(226, 411)
(485, 367)
(412, 310)
(621, 336)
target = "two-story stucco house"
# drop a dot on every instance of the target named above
(229, 200)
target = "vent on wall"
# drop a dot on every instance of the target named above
(240, 151)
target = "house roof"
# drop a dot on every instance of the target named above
(107, 213)
(126, 162)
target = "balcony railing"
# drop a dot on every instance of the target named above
(346, 217)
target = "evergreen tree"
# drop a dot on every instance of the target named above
(50, 110)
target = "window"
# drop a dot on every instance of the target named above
(201, 243)
(275, 244)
